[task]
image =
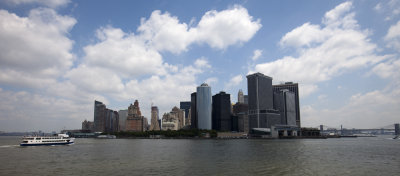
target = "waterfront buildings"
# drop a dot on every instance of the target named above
(185, 105)
(241, 111)
(284, 101)
(203, 106)
(123, 115)
(135, 121)
(193, 111)
(221, 112)
(154, 125)
(292, 87)
(173, 120)
(180, 115)
(87, 126)
(105, 120)
(261, 112)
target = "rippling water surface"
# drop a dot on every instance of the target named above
(346, 156)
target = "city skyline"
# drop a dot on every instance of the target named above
(57, 57)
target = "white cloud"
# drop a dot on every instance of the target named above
(34, 47)
(48, 3)
(256, 54)
(393, 36)
(389, 8)
(234, 81)
(123, 53)
(165, 32)
(218, 29)
(227, 27)
(388, 69)
(202, 62)
(327, 51)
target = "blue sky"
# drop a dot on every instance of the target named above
(57, 57)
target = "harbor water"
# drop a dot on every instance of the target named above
(340, 156)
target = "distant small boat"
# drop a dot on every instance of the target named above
(106, 137)
(60, 139)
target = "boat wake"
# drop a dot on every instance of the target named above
(8, 146)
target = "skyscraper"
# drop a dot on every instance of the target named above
(221, 112)
(185, 105)
(123, 114)
(240, 96)
(284, 101)
(293, 87)
(261, 112)
(99, 116)
(203, 106)
(134, 121)
(105, 120)
(154, 119)
(193, 111)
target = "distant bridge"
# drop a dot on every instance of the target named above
(388, 129)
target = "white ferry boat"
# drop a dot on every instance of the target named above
(61, 139)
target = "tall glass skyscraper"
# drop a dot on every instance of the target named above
(203, 106)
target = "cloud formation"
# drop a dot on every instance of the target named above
(34, 49)
(393, 36)
(217, 29)
(256, 54)
(324, 51)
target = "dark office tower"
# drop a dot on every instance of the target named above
(293, 87)
(99, 116)
(246, 99)
(284, 101)
(105, 120)
(221, 112)
(193, 115)
(185, 105)
(261, 112)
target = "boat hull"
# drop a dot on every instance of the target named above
(38, 144)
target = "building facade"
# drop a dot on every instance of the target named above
(170, 122)
(185, 105)
(193, 111)
(154, 125)
(134, 121)
(241, 111)
(221, 112)
(180, 115)
(240, 96)
(105, 120)
(203, 106)
(87, 126)
(284, 101)
(293, 87)
(261, 109)
(123, 114)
